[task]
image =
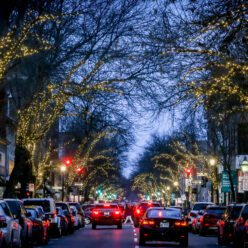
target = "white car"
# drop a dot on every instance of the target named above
(198, 206)
(77, 217)
(9, 226)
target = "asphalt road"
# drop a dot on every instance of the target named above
(110, 237)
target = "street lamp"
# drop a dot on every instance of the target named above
(176, 184)
(244, 165)
(63, 170)
(213, 163)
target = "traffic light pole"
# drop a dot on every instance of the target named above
(63, 186)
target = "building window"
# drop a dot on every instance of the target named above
(2, 159)
(243, 139)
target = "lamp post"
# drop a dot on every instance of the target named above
(213, 163)
(63, 170)
(244, 169)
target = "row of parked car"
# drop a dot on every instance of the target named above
(34, 220)
(229, 223)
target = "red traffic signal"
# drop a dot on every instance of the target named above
(188, 171)
(79, 170)
(67, 161)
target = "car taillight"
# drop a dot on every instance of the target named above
(35, 224)
(148, 222)
(181, 223)
(3, 219)
(201, 219)
(117, 212)
(95, 212)
(246, 224)
(138, 211)
(72, 219)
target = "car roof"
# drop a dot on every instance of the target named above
(209, 203)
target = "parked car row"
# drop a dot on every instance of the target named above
(34, 220)
(229, 223)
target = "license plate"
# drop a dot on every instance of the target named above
(164, 224)
(106, 213)
(213, 227)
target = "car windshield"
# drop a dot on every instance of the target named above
(235, 212)
(201, 206)
(45, 204)
(217, 211)
(166, 213)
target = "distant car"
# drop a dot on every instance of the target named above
(40, 227)
(196, 222)
(20, 214)
(241, 228)
(63, 220)
(198, 206)
(163, 224)
(77, 217)
(67, 212)
(49, 208)
(141, 208)
(208, 222)
(80, 211)
(106, 214)
(88, 211)
(10, 230)
(226, 223)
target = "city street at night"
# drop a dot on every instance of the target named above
(108, 237)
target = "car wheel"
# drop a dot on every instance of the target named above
(202, 232)
(184, 242)
(93, 226)
(119, 226)
(141, 239)
(136, 224)
(220, 239)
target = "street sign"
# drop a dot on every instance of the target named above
(245, 181)
(31, 187)
(225, 182)
(240, 181)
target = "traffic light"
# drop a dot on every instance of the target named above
(79, 170)
(67, 161)
(188, 171)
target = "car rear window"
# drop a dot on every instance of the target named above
(107, 206)
(45, 204)
(235, 212)
(14, 207)
(32, 212)
(63, 206)
(156, 213)
(200, 206)
(217, 211)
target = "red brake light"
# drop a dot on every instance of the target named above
(117, 212)
(246, 224)
(138, 211)
(95, 212)
(106, 205)
(149, 203)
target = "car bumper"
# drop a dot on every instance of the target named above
(163, 234)
(107, 221)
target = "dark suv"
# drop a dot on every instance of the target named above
(241, 228)
(67, 212)
(20, 214)
(226, 223)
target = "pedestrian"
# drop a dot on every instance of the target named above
(128, 214)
